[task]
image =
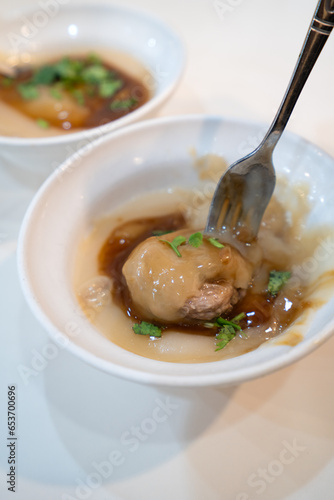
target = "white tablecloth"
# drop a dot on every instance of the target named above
(272, 438)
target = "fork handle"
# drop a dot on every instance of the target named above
(321, 26)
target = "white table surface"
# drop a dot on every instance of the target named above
(270, 439)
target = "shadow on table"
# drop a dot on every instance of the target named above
(98, 416)
(94, 427)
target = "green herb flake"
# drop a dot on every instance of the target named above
(93, 59)
(28, 91)
(145, 328)
(225, 335)
(95, 73)
(46, 75)
(177, 241)
(277, 280)
(215, 243)
(69, 70)
(228, 330)
(238, 318)
(195, 239)
(42, 123)
(225, 322)
(64, 69)
(118, 105)
(108, 88)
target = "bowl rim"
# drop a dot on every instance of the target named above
(157, 100)
(233, 377)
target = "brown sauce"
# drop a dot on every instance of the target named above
(120, 244)
(77, 104)
(261, 309)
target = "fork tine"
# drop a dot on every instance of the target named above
(225, 210)
(236, 214)
(239, 201)
(230, 213)
(226, 205)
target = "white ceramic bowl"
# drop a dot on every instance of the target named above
(59, 28)
(144, 157)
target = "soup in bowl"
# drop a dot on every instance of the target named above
(85, 72)
(119, 271)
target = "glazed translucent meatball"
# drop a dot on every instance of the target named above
(202, 284)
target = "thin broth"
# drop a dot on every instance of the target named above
(71, 93)
(102, 254)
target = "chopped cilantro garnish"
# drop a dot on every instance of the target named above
(108, 88)
(69, 70)
(225, 322)
(28, 91)
(228, 330)
(238, 318)
(42, 123)
(124, 104)
(225, 335)
(215, 243)
(95, 73)
(83, 78)
(145, 328)
(233, 322)
(94, 59)
(277, 280)
(45, 75)
(177, 241)
(195, 239)
(222, 322)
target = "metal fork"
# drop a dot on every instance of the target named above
(244, 191)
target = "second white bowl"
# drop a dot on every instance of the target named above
(89, 27)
